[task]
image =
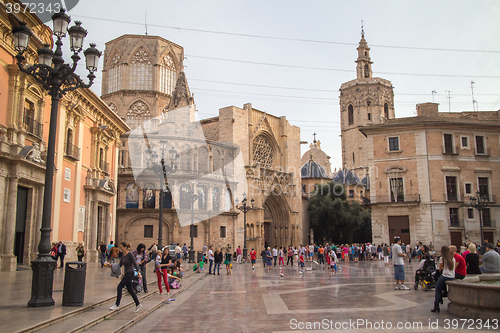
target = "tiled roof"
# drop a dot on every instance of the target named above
(312, 169)
(346, 177)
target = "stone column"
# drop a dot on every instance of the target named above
(13, 102)
(107, 224)
(93, 253)
(9, 261)
(141, 197)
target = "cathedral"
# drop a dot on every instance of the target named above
(200, 170)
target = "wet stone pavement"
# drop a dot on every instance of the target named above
(361, 297)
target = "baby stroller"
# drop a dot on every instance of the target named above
(427, 277)
(137, 282)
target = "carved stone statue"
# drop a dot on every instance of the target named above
(34, 155)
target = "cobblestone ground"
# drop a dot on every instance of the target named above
(361, 297)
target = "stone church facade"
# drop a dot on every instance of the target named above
(243, 150)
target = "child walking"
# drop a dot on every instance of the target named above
(281, 257)
(227, 262)
(301, 262)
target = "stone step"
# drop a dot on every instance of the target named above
(90, 315)
(127, 318)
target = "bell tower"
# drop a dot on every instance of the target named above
(364, 101)
(364, 67)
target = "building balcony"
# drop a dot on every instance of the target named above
(453, 197)
(456, 223)
(450, 150)
(482, 152)
(72, 152)
(491, 223)
(33, 127)
(104, 166)
(491, 198)
(384, 199)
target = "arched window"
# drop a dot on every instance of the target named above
(350, 114)
(141, 71)
(185, 197)
(367, 71)
(217, 161)
(386, 110)
(168, 75)
(186, 158)
(216, 199)
(132, 196)
(149, 197)
(203, 159)
(202, 198)
(138, 114)
(115, 73)
(167, 198)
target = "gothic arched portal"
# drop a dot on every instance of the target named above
(276, 221)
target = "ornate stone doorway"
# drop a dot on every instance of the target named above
(277, 231)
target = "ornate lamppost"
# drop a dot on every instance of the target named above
(479, 202)
(192, 197)
(162, 170)
(245, 209)
(57, 78)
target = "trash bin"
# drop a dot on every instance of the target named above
(200, 256)
(74, 283)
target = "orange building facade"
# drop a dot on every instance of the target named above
(87, 144)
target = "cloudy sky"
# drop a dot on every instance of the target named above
(290, 57)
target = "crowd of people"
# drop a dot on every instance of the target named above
(453, 262)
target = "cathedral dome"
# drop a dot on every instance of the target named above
(312, 169)
(346, 177)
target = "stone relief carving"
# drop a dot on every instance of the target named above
(35, 155)
(141, 57)
(116, 60)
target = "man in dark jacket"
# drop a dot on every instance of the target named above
(61, 252)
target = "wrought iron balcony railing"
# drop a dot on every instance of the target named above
(72, 151)
(104, 166)
(405, 198)
(482, 152)
(32, 126)
(450, 150)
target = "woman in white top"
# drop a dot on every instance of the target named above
(447, 265)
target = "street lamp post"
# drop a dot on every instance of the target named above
(192, 198)
(245, 209)
(57, 78)
(479, 202)
(162, 170)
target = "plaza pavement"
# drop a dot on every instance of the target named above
(100, 294)
(261, 301)
(247, 301)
